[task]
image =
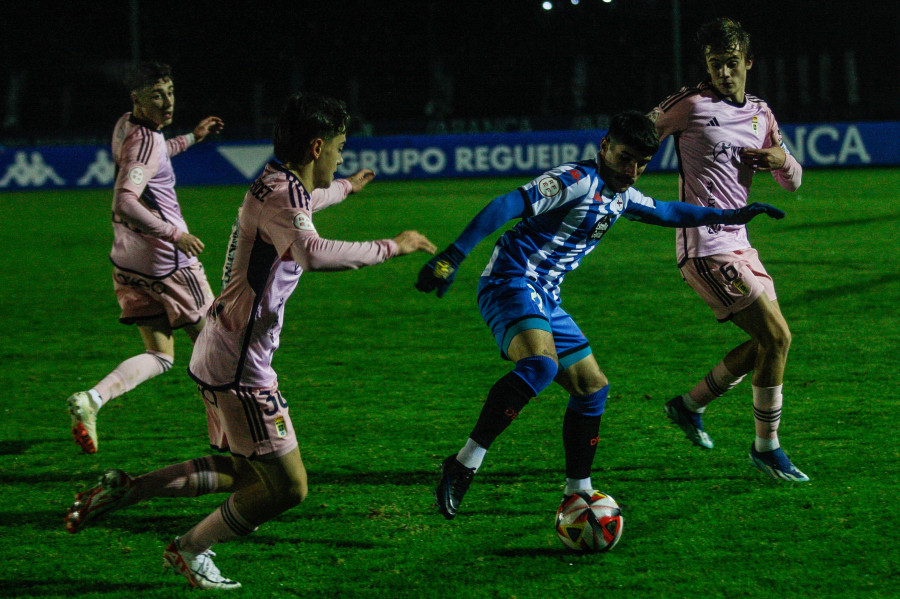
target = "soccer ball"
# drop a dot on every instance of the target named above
(589, 522)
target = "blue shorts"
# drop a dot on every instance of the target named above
(510, 306)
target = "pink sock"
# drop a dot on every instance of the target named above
(131, 373)
(222, 525)
(187, 479)
(715, 384)
(767, 403)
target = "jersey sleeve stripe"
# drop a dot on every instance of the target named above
(677, 97)
(146, 148)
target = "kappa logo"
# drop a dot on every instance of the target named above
(33, 173)
(102, 170)
(549, 186)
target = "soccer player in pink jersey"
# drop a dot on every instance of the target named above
(157, 278)
(273, 242)
(723, 136)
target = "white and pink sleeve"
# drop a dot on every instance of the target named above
(791, 174)
(138, 162)
(294, 236)
(336, 193)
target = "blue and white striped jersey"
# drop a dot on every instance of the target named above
(569, 210)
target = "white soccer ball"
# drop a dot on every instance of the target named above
(589, 522)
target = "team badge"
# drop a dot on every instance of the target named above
(136, 175)
(549, 186)
(303, 222)
(755, 125)
(741, 286)
(280, 426)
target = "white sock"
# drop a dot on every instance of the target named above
(96, 399)
(766, 444)
(692, 405)
(578, 484)
(471, 455)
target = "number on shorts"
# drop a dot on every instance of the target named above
(274, 399)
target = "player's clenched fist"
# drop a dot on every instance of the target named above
(413, 241)
(440, 271)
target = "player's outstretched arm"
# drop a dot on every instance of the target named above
(439, 272)
(413, 241)
(360, 179)
(683, 215)
(744, 215)
(211, 124)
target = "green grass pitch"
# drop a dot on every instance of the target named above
(384, 382)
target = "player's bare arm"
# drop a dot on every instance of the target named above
(765, 159)
(211, 124)
(413, 241)
(360, 179)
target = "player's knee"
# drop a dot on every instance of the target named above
(292, 494)
(588, 383)
(776, 341)
(590, 404)
(537, 371)
(163, 360)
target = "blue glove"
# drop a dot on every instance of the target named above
(744, 215)
(440, 271)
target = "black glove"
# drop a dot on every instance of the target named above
(440, 271)
(744, 215)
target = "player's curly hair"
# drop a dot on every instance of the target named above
(306, 117)
(147, 73)
(634, 128)
(723, 34)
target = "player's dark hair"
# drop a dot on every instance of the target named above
(147, 73)
(304, 118)
(633, 128)
(721, 35)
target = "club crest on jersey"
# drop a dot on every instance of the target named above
(303, 222)
(549, 186)
(601, 227)
(136, 175)
(755, 125)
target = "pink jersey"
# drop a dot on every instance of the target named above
(146, 216)
(710, 133)
(273, 241)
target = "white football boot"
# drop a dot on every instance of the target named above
(84, 421)
(199, 568)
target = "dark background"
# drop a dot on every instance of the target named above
(428, 66)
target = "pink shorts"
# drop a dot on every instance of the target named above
(183, 297)
(729, 282)
(250, 423)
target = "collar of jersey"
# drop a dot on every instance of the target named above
(715, 92)
(279, 166)
(148, 124)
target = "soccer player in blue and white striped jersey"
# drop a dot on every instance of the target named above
(563, 214)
